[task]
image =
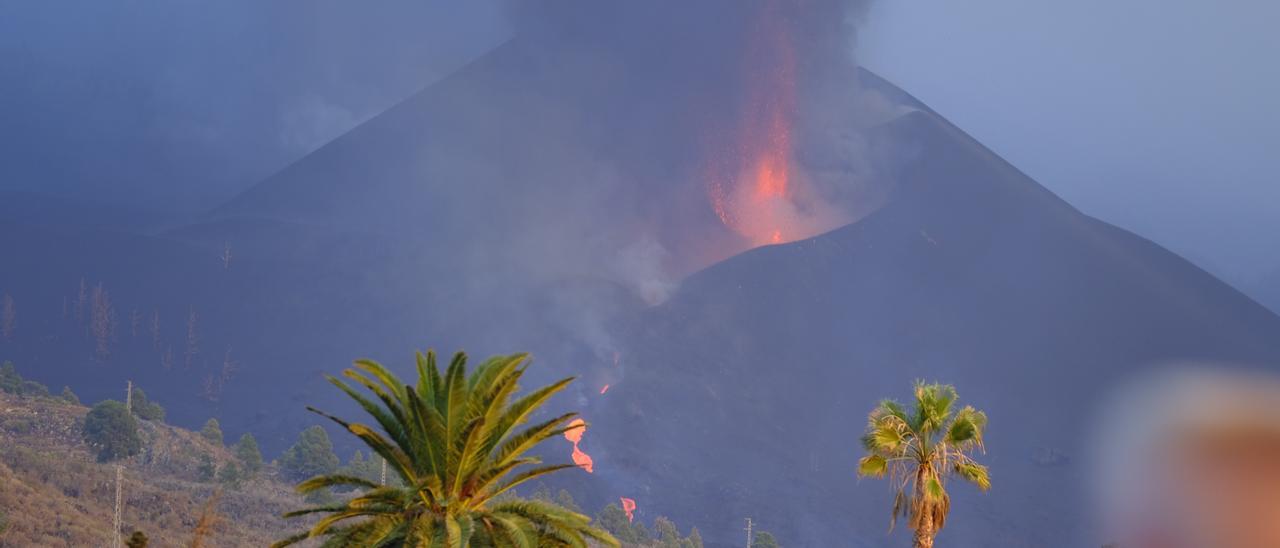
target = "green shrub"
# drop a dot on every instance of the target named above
(112, 431)
(231, 475)
(10, 380)
(207, 468)
(69, 396)
(19, 426)
(13, 383)
(34, 389)
(764, 540)
(137, 540)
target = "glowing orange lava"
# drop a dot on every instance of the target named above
(629, 506)
(583, 460)
(752, 185)
(574, 433)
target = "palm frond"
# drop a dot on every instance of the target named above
(918, 448)
(334, 480)
(873, 465)
(458, 441)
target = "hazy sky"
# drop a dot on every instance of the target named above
(179, 103)
(1160, 116)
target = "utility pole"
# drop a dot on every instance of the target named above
(748, 532)
(115, 531)
(116, 539)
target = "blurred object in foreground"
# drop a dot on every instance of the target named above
(1192, 460)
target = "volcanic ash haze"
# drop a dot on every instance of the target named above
(635, 142)
(584, 168)
(605, 190)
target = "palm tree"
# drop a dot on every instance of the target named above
(919, 449)
(456, 441)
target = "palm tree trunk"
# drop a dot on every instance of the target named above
(924, 535)
(924, 530)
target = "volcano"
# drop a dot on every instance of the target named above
(500, 209)
(755, 379)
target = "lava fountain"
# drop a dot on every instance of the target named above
(752, 182)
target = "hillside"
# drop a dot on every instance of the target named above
(53, 492)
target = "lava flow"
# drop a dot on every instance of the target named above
(577, 428)
(629, 506)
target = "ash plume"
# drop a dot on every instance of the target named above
(677, 93)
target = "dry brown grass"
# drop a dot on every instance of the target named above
(53, 493)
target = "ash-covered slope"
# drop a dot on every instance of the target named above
(750, 387)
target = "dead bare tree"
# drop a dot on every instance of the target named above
(193, 340)
(229, 367)
(155, 329)
(103, 321)
(209, 519)
(8, 317)
(226, 256)
(81, 299)
(166, 360)
(213, 385)
(210, 389)
(135, 321)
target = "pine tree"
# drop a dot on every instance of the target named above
(248, 454)
(764, 539)
(212, 432)
(146, 409)
(231, 475)
(311, 456)
(665, 530)
(207, 469)
(695, 538)
(565, 500)
(69, 396)
(614, 520)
